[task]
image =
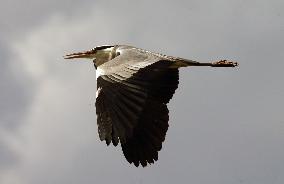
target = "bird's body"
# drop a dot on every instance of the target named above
(133, 88)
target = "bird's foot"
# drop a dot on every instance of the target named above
(224, 63)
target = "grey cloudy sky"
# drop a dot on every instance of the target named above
(226, 125)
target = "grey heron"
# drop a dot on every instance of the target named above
(133, 88)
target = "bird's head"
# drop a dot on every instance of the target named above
(99, 55)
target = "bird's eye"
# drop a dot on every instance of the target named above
(94, 50)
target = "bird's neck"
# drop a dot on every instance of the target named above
(105, 55)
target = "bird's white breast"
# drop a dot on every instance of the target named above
(99, 72)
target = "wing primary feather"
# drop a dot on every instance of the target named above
(119, 113)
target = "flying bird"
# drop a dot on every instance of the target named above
(133, 88)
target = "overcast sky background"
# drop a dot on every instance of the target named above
(226, 125)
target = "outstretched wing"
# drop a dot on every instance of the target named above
(131, 107)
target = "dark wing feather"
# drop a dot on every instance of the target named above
(160, 82)
(118, 107)
(148, 135)
(133, 109)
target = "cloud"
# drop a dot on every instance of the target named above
(225, 124)
(60, 124)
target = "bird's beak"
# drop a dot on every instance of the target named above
(87, 54)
